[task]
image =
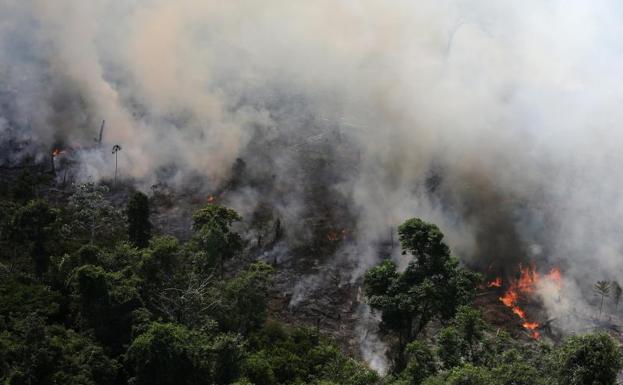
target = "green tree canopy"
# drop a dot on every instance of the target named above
(592, 359)
(168, 354)
(214, 234)
(34, 228)
(91, 217)
(432, 286)
(139, 227)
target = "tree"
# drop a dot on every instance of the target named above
(602, 288)
(517, 373)
(590, 359)
(464, 375)
(432, 286)
(617, 291)
(244, 299)
(420, 363)
(33, 353)
(139, 227)
(104, 302)
(91, 214)
(34, 227)
(168, 354)
(448, 347)
(471, 328)
(214, 234)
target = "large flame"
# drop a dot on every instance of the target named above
(523, 287)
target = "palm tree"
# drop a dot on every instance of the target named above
(115, 149)
(602, 288)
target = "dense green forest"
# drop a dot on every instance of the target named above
(89, 296)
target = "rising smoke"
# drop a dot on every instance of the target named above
(497, 120)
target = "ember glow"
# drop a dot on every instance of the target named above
(337, 235)
(57, 151)
(522, 289)
(211, 199)
(495, 283)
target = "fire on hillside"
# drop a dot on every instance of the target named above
(518, 291)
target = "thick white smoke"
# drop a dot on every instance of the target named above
(511, 108)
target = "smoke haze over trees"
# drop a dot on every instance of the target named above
(324, 125)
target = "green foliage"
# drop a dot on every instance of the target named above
(449, 350)
(21, 297)
(420, 363)
(33, 230)
(466, 375)
(168, 354)
(27, 185)
(469, 375)
(257, 370)
(299, 356)
(173, 354)
(78, 305)
(139, 227)
(432, 286)
(158, 268)
(33, 353)
(591, 359)
(104, 303)
(517, 373)
(214, 235)
(90, 217)
(244, 299)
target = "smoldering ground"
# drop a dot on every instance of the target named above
(497, 120)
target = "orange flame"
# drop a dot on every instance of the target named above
(526, 285)
(495, 283)
(519, 311)
(57, 151)
(530, 325)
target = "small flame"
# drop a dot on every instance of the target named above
(211, 199)
(495, 283)
(57, 151)
(517, 310)
(530, 325)
(337, 235)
